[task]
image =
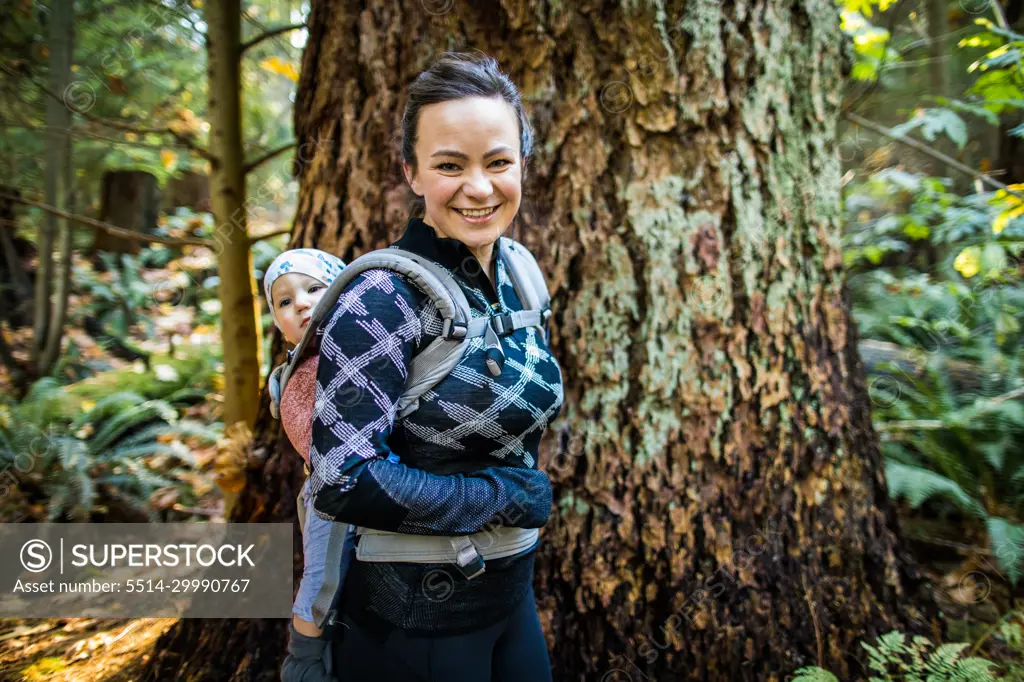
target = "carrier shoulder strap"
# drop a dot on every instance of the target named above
(529, 284)
(430, 365)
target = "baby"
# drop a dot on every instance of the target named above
(294, 282)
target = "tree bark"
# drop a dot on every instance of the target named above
(722, 511)
(128, 199)
(239, 303)
(65, 168)
(17, 286)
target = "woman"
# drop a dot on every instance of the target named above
(469, 452)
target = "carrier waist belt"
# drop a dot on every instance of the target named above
(465, 551)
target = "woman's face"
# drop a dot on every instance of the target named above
(467, 159)
(294, 296)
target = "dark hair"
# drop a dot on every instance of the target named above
(458, 75)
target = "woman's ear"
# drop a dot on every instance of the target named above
(410, 177)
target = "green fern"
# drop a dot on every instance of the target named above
(814, 674)
(124, 442)
(896, 660)
(918, 485)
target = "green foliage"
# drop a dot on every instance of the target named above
(897, 660)
(77, 451)
(116, 298)
(999, 85)
(950, 403)
(814, 674)
(870, 43)
(935, 122)
(185, 379)
(124, 440)
(894, 211)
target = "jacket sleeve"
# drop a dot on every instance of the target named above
(367, 344)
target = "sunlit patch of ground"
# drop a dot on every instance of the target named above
(77, 649)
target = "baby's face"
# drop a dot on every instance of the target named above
(294, 296)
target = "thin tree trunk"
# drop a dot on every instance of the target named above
(58, 316)
(59, 313)
(58, 121)
(938, 71)
(239, 304)
(722, 511)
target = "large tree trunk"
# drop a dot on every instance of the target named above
(722, 510)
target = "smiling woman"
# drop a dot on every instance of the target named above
(464, 151)
(469, 451)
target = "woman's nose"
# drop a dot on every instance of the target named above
(478, 186)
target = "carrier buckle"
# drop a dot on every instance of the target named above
(502, 324)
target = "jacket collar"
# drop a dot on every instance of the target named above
(423, 240)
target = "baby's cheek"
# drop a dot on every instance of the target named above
(318, 295)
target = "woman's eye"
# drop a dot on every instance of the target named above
(450, 166)
(504, 161)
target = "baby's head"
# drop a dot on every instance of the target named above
(294, 282)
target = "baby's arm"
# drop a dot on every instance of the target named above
(308, 657)
(365, 354)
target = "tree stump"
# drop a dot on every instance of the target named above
(129, 199)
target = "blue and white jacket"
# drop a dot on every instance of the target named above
(468, 453)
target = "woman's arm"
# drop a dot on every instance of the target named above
(365, 353)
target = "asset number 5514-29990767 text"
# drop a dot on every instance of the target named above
(188, 585)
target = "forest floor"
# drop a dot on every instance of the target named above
(77, 649)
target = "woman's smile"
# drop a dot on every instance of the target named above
(477, 215)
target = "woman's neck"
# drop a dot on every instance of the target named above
(484, 253)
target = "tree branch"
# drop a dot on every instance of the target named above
(268, 235)
(83, 134)
(108, 228)
(260, 160)
(269, 34)
(934, 424)
(925, 149)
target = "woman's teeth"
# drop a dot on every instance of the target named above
(476, 213)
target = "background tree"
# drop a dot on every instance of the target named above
(146, 33)
(721, 504)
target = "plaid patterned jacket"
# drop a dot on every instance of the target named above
(468, 453)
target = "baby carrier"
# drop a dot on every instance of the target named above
(426, 369)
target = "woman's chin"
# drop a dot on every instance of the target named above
(480, 235)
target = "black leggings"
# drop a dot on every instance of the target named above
(511, 650)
